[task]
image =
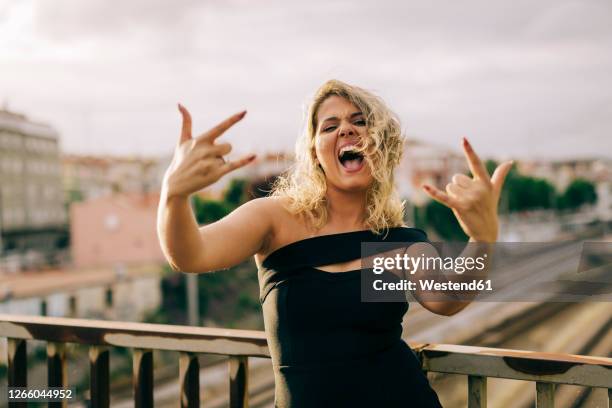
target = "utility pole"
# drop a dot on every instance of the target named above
(1, 232)
(193, 306)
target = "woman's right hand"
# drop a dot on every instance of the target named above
(198, 163)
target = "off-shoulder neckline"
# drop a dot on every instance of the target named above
(365, 232)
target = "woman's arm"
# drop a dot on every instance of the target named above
(219, 245)
(474, 203)
(196, 164)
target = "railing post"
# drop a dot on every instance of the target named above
(44, 307)
(56, 369)
(72, 305)
(99, 377)
(142, 377)
(477, 391)
(239, 381)
(545, 395)
(609, 397)
(189, 377)
(17, 367)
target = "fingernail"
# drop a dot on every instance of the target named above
(241, 114)
(425, 186)
(180, 106)
(465, 142)
(251, 157)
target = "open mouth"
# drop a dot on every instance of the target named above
(350, 159)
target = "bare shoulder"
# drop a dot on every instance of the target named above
(284, 225)
(275, 209)
(271, 211)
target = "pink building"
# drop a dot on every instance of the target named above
(120, 228)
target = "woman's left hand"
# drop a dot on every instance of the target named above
(474, 200)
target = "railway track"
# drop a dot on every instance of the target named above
(577, 329)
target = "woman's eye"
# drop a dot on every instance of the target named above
(360, 122)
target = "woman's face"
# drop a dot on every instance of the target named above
(340, 125)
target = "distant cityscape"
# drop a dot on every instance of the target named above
(66, 210)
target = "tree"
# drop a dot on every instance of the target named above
(261, 187)
(442, 219)
(522, 193)
(236, 193)
(578, 193)
(207, 211)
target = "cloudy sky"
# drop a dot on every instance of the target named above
(519, 78)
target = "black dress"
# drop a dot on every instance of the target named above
(328, 348)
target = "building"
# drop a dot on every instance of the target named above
(115, 229)
(89, 177)
(33, 220)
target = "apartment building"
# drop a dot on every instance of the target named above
(33, 218)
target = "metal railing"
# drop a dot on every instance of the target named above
(478, 363)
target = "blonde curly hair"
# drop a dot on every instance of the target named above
(304, 185)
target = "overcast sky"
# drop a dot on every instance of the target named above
(519, 78)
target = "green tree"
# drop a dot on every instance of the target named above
(578, 193)
(443, 221)
(236, 193)
(524, 192)
(207, 211)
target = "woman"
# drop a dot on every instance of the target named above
(328, 348)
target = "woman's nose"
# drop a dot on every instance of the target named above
(346, 131)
